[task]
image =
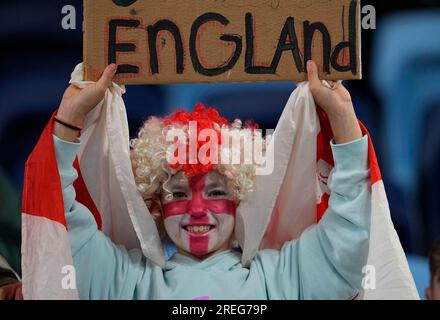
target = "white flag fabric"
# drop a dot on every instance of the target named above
(296, 196)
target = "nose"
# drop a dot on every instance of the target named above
(197, 207)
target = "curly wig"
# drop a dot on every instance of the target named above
(150, 151)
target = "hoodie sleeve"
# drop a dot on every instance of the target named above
(326, 261)
(103, 270)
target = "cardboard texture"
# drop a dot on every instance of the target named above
(176, 41)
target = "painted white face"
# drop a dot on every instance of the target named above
(198, 212)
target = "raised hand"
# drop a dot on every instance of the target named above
(336, 102)
(77, 103)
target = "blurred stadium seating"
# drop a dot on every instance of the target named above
(429, 187)
(261, 102)
(36, 71)
(406, 76)
(418, 266)
(38, 20)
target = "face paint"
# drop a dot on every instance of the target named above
(200, 221)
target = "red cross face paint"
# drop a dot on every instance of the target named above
(199, 214)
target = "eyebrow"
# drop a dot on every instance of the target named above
(177, 183)
(215, 184)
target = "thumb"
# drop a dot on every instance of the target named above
(107, 76)
(312, 76)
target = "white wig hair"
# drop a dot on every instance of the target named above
(152, 170)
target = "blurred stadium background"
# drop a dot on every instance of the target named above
(398, 100)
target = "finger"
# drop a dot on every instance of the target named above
(312, 75)
(107, 76)
(19, 293)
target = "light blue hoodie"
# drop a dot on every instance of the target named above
(324, 263)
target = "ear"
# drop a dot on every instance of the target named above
(155, 207)
(428, 293)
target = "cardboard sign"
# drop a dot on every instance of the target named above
(176, 41)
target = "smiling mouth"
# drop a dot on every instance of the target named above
(199, 229)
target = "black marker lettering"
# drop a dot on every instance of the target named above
(114, 47)
(249, 66)
(152, 39)
(351, 44)
(124, 3)
(291, 45)
(198, 67)
(309, 30)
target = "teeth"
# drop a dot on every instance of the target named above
(198, 229)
